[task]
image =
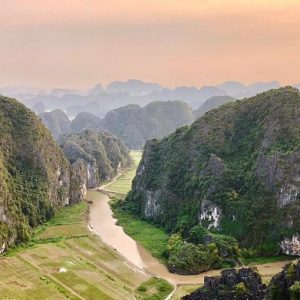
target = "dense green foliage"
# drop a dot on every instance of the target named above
(154, 289)
(286, 284)
(295, 291)
(152, 237)
(135, 125)
(235, 170)
(201, 251)
(34, 175)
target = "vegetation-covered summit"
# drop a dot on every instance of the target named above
(211, 103)
(235, 170)
(135, 124)
(85, 120)
(34, 174)
(57, 122)
(132, 123)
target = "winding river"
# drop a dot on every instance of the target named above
(101, 221)
(104, 225)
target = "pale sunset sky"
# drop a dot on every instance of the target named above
(78, 43)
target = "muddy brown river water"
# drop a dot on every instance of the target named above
(101, 221)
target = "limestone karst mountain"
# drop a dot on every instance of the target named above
(57, 122)
(135, 125)
(86, 120)
(132, 123)
(99, 154)
(235, 170)
(212, 103)
(34, 174)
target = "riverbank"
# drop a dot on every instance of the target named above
(104, 224)
(153, 238)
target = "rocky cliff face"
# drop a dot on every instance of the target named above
(95, 156)
(286, 284)
(235, 170)
(240, 284)
(34, 174)
(246, 283)
(78, 182)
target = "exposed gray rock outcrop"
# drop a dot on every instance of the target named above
(291, 246)
(243, 284)
(78, 183)
(286, 284)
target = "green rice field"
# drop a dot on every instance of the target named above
(122, 184)
(64, 260)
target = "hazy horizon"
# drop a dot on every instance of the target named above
(88, 87)
(77, 44)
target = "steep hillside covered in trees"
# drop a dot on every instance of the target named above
(236, 171)
(34, 174)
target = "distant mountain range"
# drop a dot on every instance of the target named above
(132, 123)
(99, 100)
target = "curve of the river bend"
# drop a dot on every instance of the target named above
(101, 221)
(103, 224)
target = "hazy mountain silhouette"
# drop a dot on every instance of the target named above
(211, 103)
(99, 100)
(133, 87)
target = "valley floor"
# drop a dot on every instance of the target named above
(65, 260)
(122, 184)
